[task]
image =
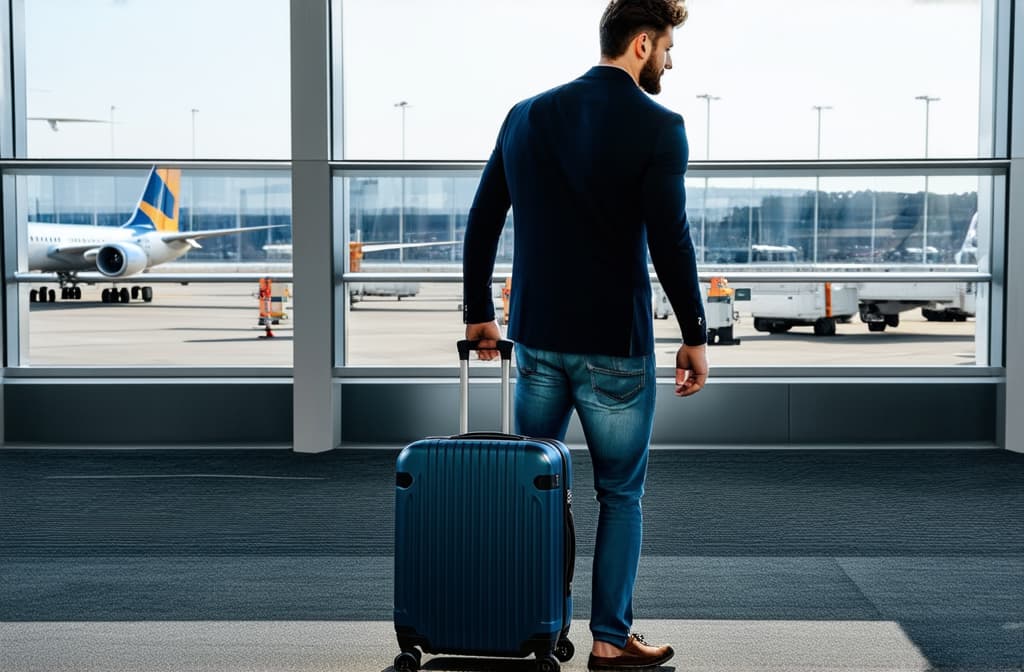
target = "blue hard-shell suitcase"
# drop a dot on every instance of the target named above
(484, 542)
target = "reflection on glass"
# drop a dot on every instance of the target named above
(879, 222)
(872, 221)
(418, 220)
(101, 234)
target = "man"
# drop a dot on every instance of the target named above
(593, 170)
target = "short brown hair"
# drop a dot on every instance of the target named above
(623, 19)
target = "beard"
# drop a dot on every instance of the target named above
(650, 78)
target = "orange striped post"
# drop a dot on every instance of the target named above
(266, 318)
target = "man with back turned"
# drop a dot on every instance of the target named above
(593, 171)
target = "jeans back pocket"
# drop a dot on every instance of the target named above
(618, 380)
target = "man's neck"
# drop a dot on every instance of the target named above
(607, 62)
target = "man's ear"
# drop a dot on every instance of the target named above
(641, 46)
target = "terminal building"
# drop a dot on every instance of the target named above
(188, 481)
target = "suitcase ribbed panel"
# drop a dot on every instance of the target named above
(479, 549)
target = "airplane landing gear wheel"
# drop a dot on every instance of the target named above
(147, 294)
(135, 293)
(33, 296)
(124, 295)
(53, 295)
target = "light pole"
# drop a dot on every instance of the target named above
(195, 113)
(403, 105)
(819, 109)
(928, 100)
(817, 180)
(112, 108)
(707, 98)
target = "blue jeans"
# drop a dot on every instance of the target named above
(614, 398)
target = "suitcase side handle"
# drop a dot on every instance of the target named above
(488, 436)
(505, 349)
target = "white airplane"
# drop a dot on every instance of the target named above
(150, 237)
(54, 121)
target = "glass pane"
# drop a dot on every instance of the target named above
(101, 311)
(405, 324)
(765, 67)
(830, 221)
(750, 225)
(169, 78)
(413, 219)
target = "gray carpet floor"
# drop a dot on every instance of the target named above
(929, 541)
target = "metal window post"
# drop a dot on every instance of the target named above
(1012, 285)
(316, 400)
(707, 98)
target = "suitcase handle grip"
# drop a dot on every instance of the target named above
(465, 347)
(504, 347)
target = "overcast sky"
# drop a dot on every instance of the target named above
(462, 63)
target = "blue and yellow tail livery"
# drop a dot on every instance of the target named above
(158, 208)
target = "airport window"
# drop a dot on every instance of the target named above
(177, 79)
(797, 79)
(123, 295)
(844, 229)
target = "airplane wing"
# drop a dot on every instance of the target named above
(380, 247)
(53, 121)
(76, 249)
(213, 233)
(77, 120)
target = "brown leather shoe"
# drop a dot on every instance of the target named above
(638, 655)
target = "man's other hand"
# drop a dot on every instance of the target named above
(488, 333)
(691, 369)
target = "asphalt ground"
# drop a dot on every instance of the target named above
(214, 325)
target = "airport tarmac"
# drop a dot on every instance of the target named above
(216, 325)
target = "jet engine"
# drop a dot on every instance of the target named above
(118, 259)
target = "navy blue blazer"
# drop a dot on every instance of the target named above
(593, 171)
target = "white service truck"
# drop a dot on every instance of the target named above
(778, 307)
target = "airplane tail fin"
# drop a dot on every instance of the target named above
(157, 209)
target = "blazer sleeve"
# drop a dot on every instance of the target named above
(483, 229)
(668, 231)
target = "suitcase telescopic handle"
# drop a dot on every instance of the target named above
(505, 350)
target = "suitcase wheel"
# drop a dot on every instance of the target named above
(407, 661)
(548, 663)
(564, 651)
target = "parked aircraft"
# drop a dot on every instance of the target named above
(150, 237)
